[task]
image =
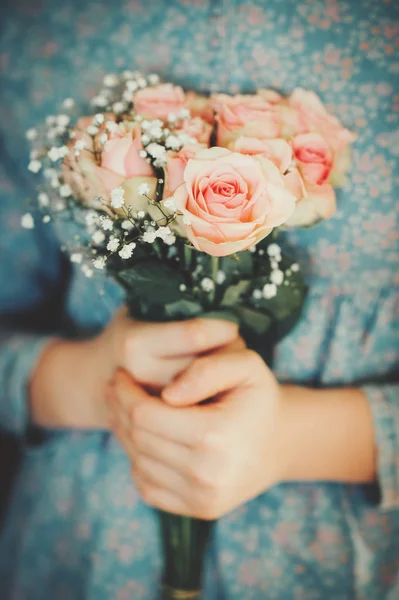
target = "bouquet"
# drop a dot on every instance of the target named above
(180, 198)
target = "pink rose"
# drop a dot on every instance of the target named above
(195, 128)
(228, 201)
(311, 115)
(279, 152)
(313, 156)
(243, 115)
(200, 106)
(176, 164)
(117, 163)
(315, 160)
(157, 102)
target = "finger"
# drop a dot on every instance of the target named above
(172, 454)
(159, 497)
(183, 426)
(153, 371)
(210, 375)
(180, 338)
(160, 475)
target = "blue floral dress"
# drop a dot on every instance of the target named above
(75, 526)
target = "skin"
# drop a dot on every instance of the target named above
(205, 460)
(68, 386)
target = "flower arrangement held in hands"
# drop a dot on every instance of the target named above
(180, 198)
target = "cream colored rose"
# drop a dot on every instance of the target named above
(228, 201)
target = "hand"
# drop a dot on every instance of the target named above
(203, 460)
(68, 386)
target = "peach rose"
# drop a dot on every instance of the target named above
(315, 160)
(244, 115)
(118, 164)
(176, 163)
(200, 106)
(313, 156)
(228, 201)
(195, 128)
(279, 152)
(311, 115)
(157, 102)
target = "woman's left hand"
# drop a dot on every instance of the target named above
(203, 460)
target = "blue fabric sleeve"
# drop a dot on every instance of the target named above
(384, 404)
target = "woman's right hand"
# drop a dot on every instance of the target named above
(67, 388)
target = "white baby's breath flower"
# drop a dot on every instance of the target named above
(142, 82)
(46, 219)
(68, 103)
(149, 237)
(127, 74)
(99, 118)
(34, 166)
(131, 86)
(141, 214)
(170, 204)
(100, 101)
(153, 78)
(163, 232)
(269, 291)
(127, 225)
(27, 221)
(106, 223)
(43, 199)
(182, 287)
(173, 142)
(110, 80)
(127, 250)
(98, 237)
(34, 154)
(158, 152)
(274, 264)
(113, 244)
(54, 154)
(63, 151)
(63, 120)
(172, 118)
(220, 277)
(295, 267)
(103, 138)
(80, 145)
(184, 113)
(65, 190)
(277, 277)
(143, 189)
(55, 182)
(145, 139)
(51, 120)
(145, 124)
(127, 96)
(92, 130)
(92, 218)
(118, 197)
(142, 153)
(207, 284)
(170, 239)
(76, 258)
(257, 294)
(100, 262)
(50, 173)
(273, 250)
(87, 271)
(31, 134)
(111, 126)
(118, 107)
(155, 131)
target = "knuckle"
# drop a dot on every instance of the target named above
(196, 334)
(254, 359)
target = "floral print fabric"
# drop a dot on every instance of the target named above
(76, 527)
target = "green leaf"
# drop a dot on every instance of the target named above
(152, 281)
(183, 309)
(233, 293)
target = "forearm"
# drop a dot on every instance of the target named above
(67, 387)
(327, 435)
